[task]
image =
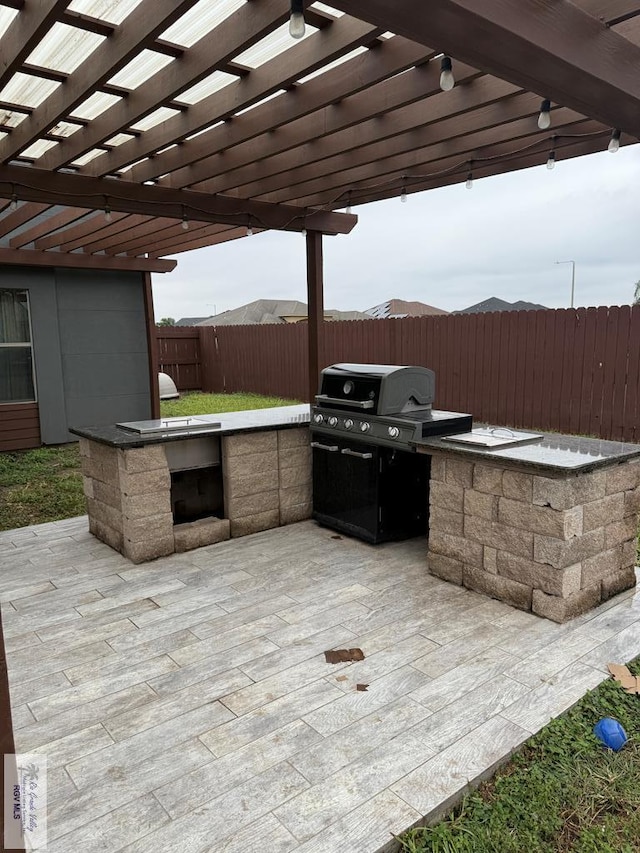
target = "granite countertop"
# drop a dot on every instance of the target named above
(553, 454)
(254, 420)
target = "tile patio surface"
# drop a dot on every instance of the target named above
(186, 705)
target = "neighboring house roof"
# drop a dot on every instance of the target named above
(496, 304)
(273, 311)
(189, 321)
(397, 308)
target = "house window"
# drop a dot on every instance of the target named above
(16, 360)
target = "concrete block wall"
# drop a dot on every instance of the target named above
(557, 547)
(267, 479)
(267, 483)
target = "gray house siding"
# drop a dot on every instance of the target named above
(89, 346)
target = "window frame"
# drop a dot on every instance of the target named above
(23, 345)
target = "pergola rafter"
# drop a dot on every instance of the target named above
(341, 37)
(147, 20)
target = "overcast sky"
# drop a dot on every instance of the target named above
(450, 248)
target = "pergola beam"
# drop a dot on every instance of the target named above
(24, 33)
(148, 19)
(30, 258)
(37, 185)
(58, 220)
(554, 49)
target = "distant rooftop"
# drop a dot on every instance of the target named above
(398, 308)
(189, 321)
(496, 304)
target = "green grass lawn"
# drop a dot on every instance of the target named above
(46, 485)
(562, 792)
(205, 404)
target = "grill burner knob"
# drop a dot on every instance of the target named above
(318, 419)
(348, 424)
(333, 421)
(394, 432)
(365, 426)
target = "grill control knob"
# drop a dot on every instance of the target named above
(318, 419)
(365, 426)
(348, 424)
(394, 432)
(333, 421)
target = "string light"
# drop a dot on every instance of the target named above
(249, 228)
(551, 162)
(403, 194)
(14, 199)
(185, 221)
(469, 183)
(544, 119)
(447, 80)
(296, 21)
(349, 202)
(107, 210)
(614, 142)
(304, 232)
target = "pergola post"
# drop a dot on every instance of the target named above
(315, 311)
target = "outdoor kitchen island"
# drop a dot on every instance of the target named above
(157, 487)
(548, 526)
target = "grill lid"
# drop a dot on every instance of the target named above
(380, 389)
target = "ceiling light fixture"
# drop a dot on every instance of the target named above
(296, 20)
(544, 118)
(447, 80)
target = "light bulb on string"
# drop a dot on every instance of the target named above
(249, 231)
(349, 203)
(14, 200)
(469, 183)
(551, 162)
(544, 118)
(107, 211)
(403, 195)
(447, 80)
(296, 20)
(614, 142)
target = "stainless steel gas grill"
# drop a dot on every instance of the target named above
(367, 479)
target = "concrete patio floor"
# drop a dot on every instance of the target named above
(186, 705)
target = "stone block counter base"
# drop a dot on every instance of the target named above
(557, 545)
(267, 483)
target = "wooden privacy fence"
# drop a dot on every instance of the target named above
(179, 355)
(574, 370)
